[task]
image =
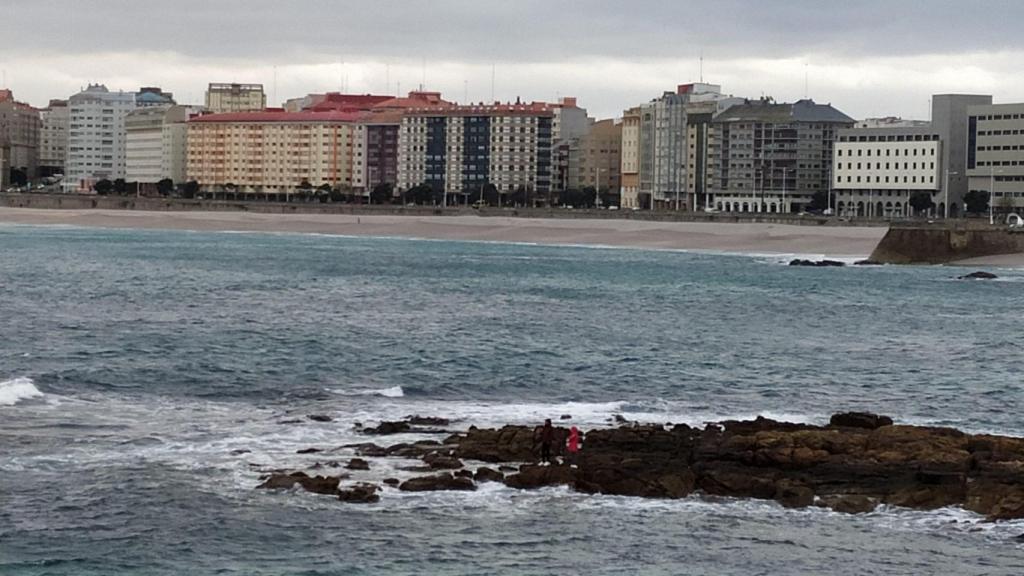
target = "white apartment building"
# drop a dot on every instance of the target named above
(630, 160)
(157, 143)
(96, 137)
(877, 170)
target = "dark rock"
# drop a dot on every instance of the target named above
(537, 476)
(860, 420)
(358, 464)
(620, 419)
(463, 474)
(388, 428)
(816, 264)
(392, 481)
(444, 481)
(978, 276)
(850, 504)
(240, 451)
(440, 461)
(868, 262)
(565, 417)
(416, 450)
(320, 418)
(290, 422)
(362, 493)
(427, 421)
(308, 451)
(368, 449)
(793, 495)
(485, 474)
(508, 469)
(315, 484)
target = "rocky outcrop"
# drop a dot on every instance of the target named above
(362, 493)
(853, 464)
(358, 464)
(817, 263)
(980, 275)
(445, 481)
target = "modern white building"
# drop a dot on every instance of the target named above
(157, 144)
(995, 154)
(877, 170)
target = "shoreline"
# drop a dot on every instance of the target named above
(757, 238)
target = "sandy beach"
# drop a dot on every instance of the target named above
(837, 241)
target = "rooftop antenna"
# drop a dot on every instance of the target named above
(701, 67)
(493, 67)
(465, 90)
(275, 85)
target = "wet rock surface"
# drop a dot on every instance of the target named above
(978, 276)
(852, 465)
(817, 263)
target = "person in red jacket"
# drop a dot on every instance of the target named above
(572, 446)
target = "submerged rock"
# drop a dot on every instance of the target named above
(816, 263)
(320, 418)
(485, 474)
(308, 451)
(358, 464)
(315, 484)
(427, 421)
(978, 276)
(444, 481)
(385, 428)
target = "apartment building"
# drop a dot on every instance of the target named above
(995, 154)
(156, 145)
(629, 191)
(595, 159)
(471, 149)
(96, 136)
(272, 151)
(222, 98)
(20, 128)
(53, 138)
(770, 157)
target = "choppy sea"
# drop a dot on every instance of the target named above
(146, 377)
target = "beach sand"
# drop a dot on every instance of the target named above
(833, 241)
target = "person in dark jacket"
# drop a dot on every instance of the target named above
(547, 438)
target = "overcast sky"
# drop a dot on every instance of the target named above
(866, 57)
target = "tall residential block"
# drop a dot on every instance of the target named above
(224, 98)
(53, 140)
(157, 144)
(665, 174)
(20, 128)
(770, 157)
(272, 151)
(471, 149)
(630, 160)
(97, 138)
(596, 158)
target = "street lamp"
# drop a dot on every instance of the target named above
(948, 174)
(992, 194)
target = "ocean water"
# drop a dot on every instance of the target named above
(147, 377)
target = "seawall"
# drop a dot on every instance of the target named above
(943, 243)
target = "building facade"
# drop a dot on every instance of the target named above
(20, 128)
(53, 140)
(469, 150)
(995, 154)
(96, 137)
(877, 170)
(157, 144)
(596, 158)
(769, 157)
(629, 191)
(224, 98)
(272, 152)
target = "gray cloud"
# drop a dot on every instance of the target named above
(527, 30)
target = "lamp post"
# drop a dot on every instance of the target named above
(991, 194)
(948, 174)
(783, 208)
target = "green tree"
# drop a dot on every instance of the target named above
(819, 202)
(120, 186)
(190, 189)
(103, 187)
(165, 187)
(976, 201)
(921, 201)
(382, 193)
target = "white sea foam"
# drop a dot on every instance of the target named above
(16, 390)
(393, 392)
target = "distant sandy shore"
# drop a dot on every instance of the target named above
(835, 241)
